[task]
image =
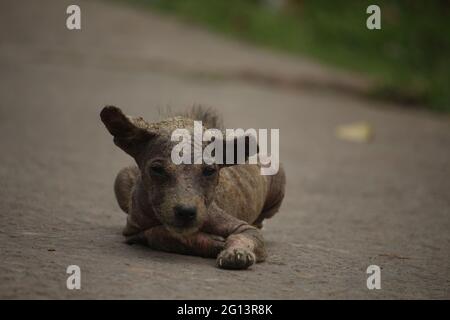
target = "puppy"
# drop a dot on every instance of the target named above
(209, 210)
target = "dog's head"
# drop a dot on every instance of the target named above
(179, 194)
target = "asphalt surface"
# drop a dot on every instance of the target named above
(348, 205)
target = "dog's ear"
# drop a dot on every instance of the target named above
(129, 134)
(239, 149)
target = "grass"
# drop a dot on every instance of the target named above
(408, 59)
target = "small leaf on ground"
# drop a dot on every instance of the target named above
(356, 132)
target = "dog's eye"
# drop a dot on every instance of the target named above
(209, 171)
(157, 170)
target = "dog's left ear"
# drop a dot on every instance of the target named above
(130, 134)
(239, 149)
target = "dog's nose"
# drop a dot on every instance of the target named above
(184, 213)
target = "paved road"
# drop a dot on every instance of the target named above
(348, 205)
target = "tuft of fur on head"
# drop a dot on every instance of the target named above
(209, 116)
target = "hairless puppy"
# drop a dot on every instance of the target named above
(209, 210)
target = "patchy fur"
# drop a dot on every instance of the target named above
(205, 210)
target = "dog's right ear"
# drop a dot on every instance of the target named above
(128, 134)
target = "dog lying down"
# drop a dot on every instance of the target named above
(208, 210)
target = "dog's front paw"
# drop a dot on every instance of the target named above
(235, 258)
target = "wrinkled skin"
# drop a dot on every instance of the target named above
(206, 210)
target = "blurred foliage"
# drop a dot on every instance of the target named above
(408, 59)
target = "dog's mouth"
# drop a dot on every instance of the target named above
(182, 230)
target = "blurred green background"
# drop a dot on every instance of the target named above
(408, 60)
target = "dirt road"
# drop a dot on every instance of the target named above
(348, 205)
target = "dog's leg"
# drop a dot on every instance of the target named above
(123, 186)
(274, 197)
(244, 243)
(200, 243)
